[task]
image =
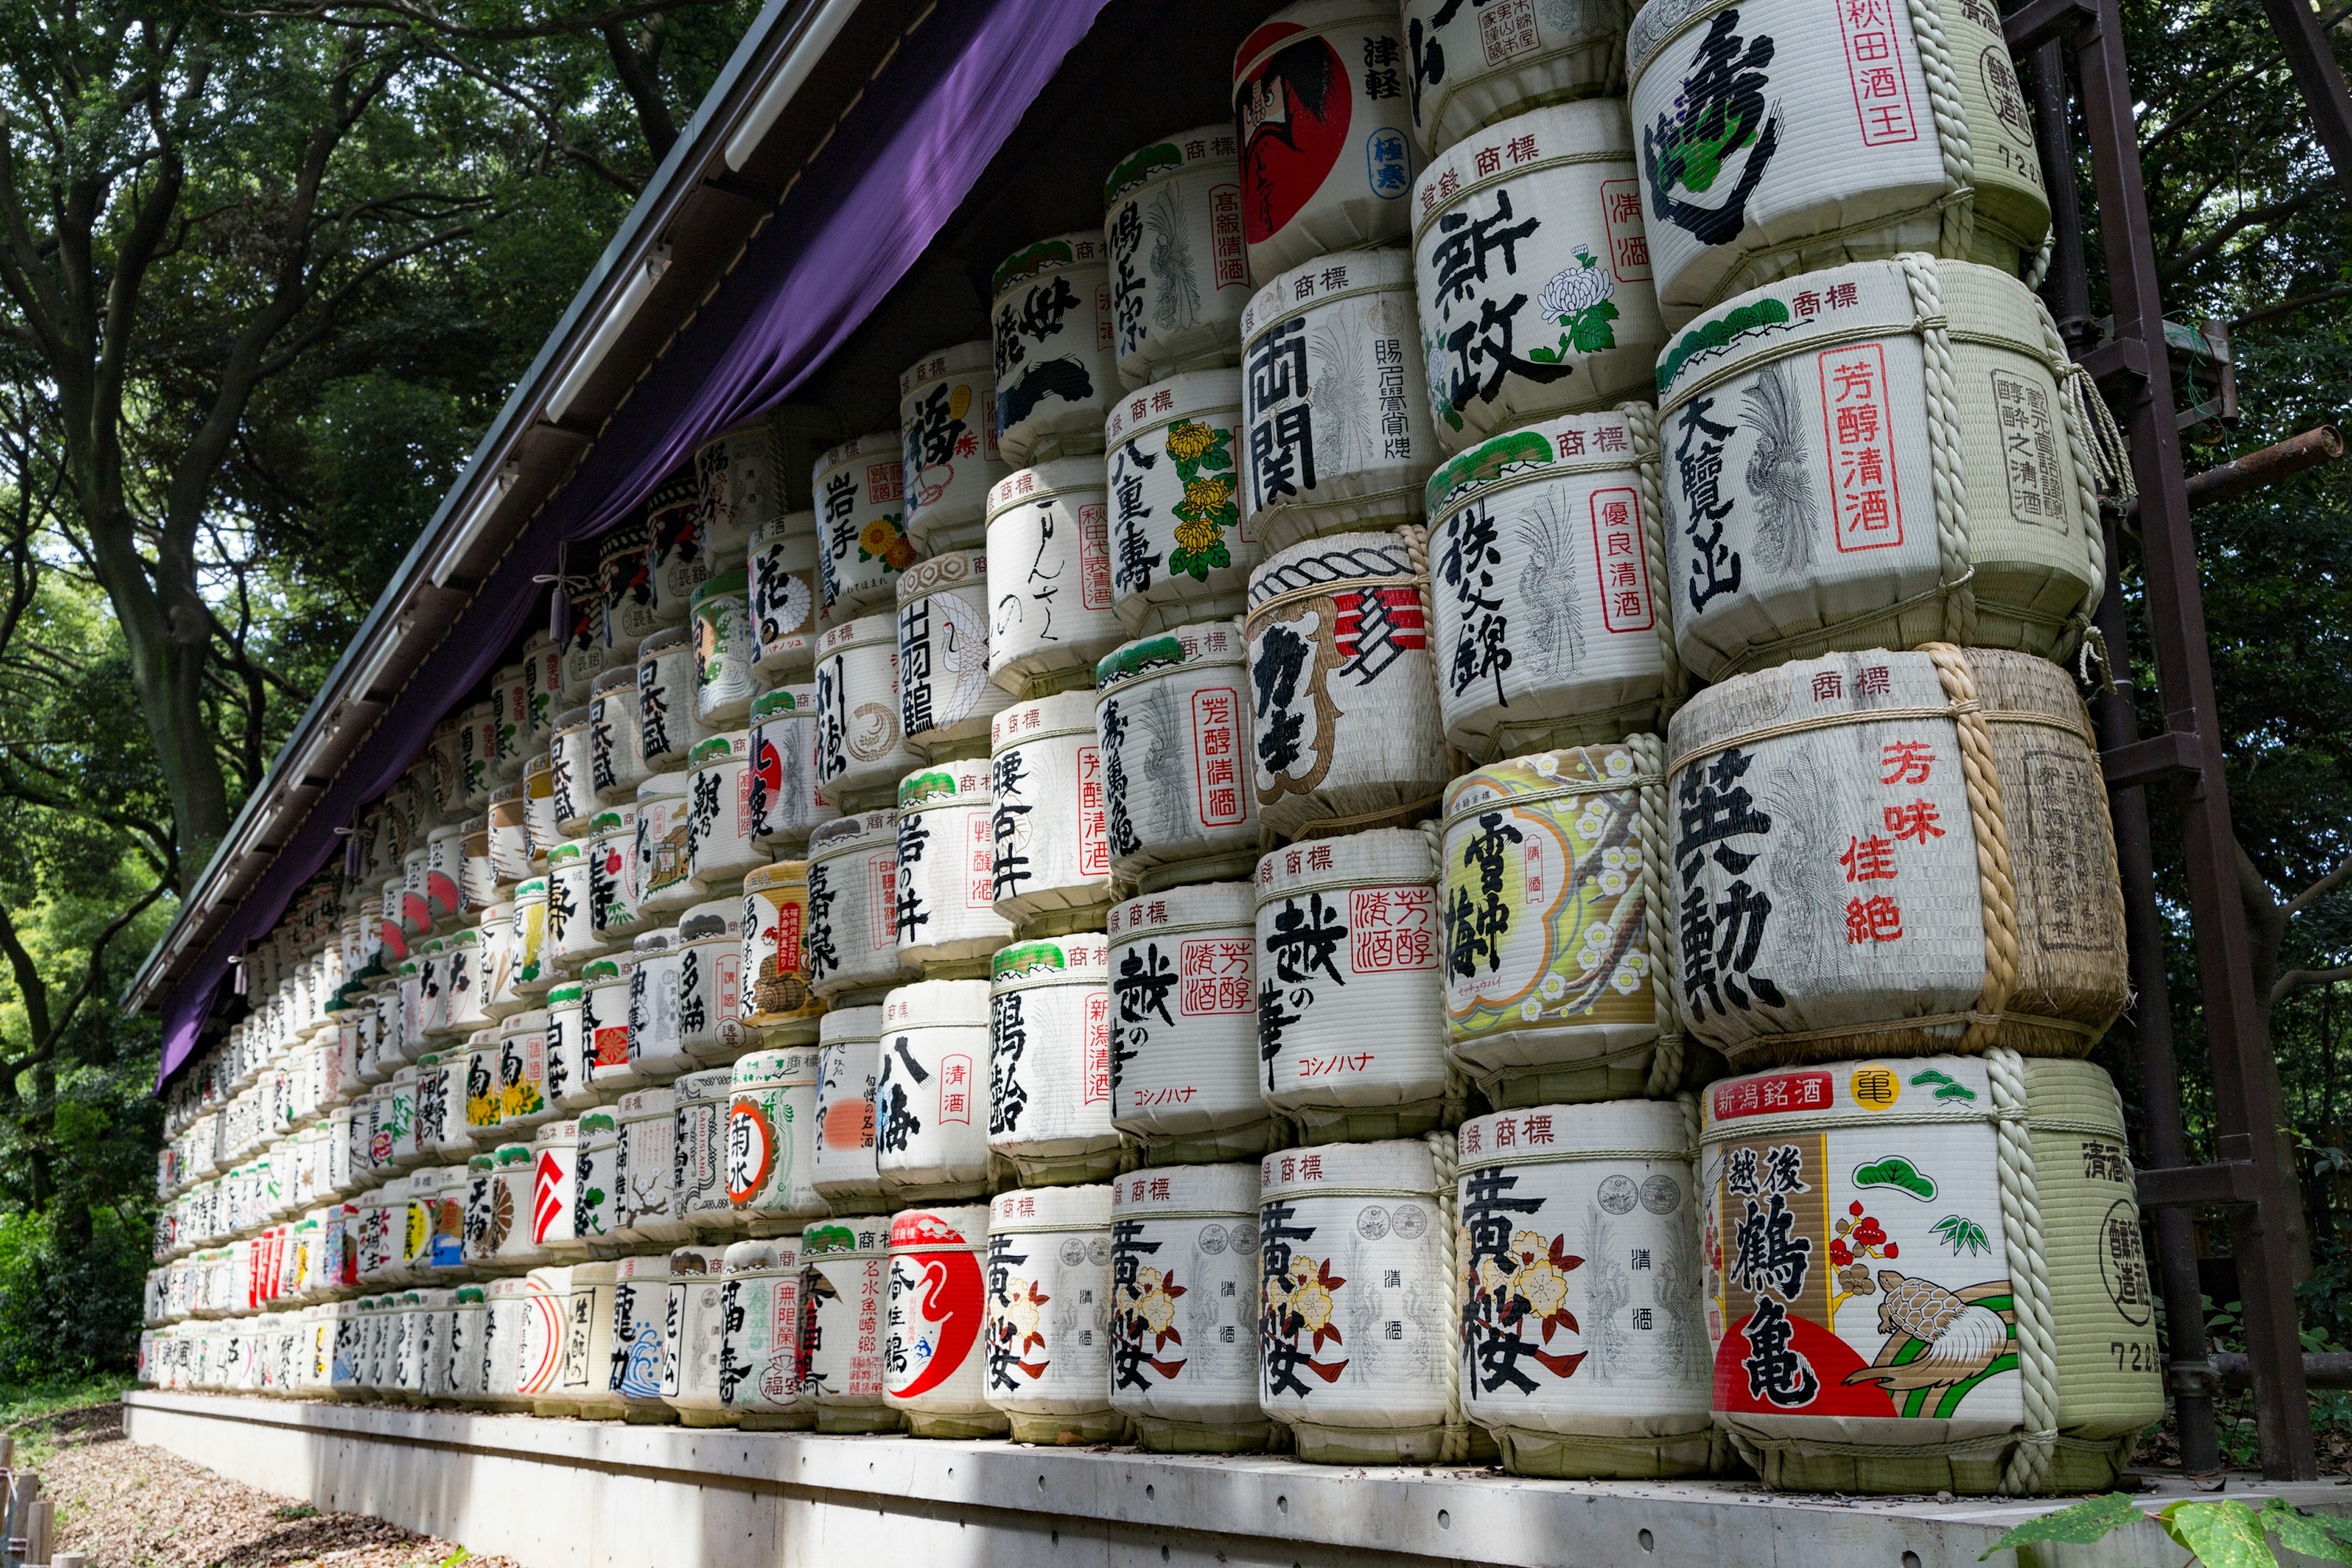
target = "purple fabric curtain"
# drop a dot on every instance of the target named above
(896, 169)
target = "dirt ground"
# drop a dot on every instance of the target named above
(130, 1507)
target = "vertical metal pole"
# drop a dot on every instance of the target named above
(2313, 62)
(2187, 1348)
(2069, 284)
(2245, 1079)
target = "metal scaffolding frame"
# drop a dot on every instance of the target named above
(2248, 1177)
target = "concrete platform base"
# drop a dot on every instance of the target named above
(575, 1494)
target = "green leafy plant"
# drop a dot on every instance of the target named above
(2227, 1533)
(1962, 1235)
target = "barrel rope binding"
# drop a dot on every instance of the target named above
(2028, 1465)
(1942, 410)
(1980, 767)
(1951, 118)
(1445, 1154)
(1651, 838)
(2087, 443)
(1649, 479)
(1965, 1023)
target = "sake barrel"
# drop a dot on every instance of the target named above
(1546, 549)
(770, 961)
(663, 868)
(1171, 716)
(1047, 527)
(571, 774)
(945, 911)
(1047, 1339)
(724, 649)
(587, 1375)
(785, 807)
(510, 836)
(1351, 1023)
(1336, 422)
(676, 565)
(540, 833)
(711, 980)
(584, 646)
(666, 723)
(478, 750)
(554, 1364)
(445, 869)
(440, 1190)
(695, 1322)
(861, 746)
(719, 849)
(945, 700)
(1183, 1024)
(1881, 454)
(935, 1366)
(1471, 68)
(1357, 1235)
(1325, 161)
(1178, 549)
(514, 1181)
(624, 589)
(780, 576)
(1975, 901)
(614, 748)
(846, 1286)
(743, 476)
(640, 1339)
(644, 1174)
(841, 1164)
(1557, 926)
(523, 1073)
(946, 438)
(571, 1052)
(1056, 367)
(415, 911)
(1049, 849)
(596, 1207)
(572, 934)
(1533, 273)
(1184, 1308)
(851, 945)
(1049, 1098)
(759, 1349)
(613, 874)
(1917, 1272)
(655, 1044)
(604, 986)
(1582, 1347)
(1340, 664)
(769, 1141)
(931, 1128)
(860, 501)
(555, 1164)
(501, 1000)
(1178, 274)
(1929, 149)
(542, 685)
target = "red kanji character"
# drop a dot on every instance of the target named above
(1827, 684)
(1870, 859)
(1907, 762)
(1916, 820)
(1873, 920)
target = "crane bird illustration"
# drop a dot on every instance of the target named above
(1778, 475)
(1958, 1338)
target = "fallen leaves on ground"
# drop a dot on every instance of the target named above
(128, 1506)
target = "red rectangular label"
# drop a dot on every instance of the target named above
(1861, 448)
(1617, 558)
(1216, 755)
(1214, 975)
(1392, 929)
(1094, 839)
(1873, 63)
(1628, 243)
(1773, 1092)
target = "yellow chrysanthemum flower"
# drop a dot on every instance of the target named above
(1205, 496)
(1189, 439)
(875, 537)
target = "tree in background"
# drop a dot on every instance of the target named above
(264, 279)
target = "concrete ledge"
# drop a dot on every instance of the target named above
(574, 1494)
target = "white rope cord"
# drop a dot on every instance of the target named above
(1648, 462)
(2037, 270)
(1951, 115)
(2028, 1469)
(2084, 446)
(1942, 389)
(1650, 840)
(1444, 1155)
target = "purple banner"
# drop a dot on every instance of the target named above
(898, 167)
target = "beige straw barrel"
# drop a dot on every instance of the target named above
(1926, 1275)
(947, 437)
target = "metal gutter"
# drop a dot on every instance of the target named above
(528, 458)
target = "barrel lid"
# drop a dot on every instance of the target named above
(980, 354)
(512, 1154)
(1051, 477)
(713, 750)
(768, 1069)
(846, 1025)
(947, 570)
(1618, 1129)
(733, 582)
(620, 818)
(1172, 155)
(1386, 855)
(944, 784)
(639, 1104)
(763, 1255)
(660, 786)
(712, 1083)
(937, 1004)
(1082, 958)
(670, 639)
(846, 833)
(1184, 396)
(1317, 282)
(783, 699)
(653, 941)
(1062, 711)
(1083, 247)
(782, 529)
(1201, 642)
(1188, 1189)
(1198, 903)
(613, 681)
(558, 1132)
(1599, 442)
(858, 448)
(716, 918)
(1401, 1166)
(1050, 1209)
(961, 1226)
